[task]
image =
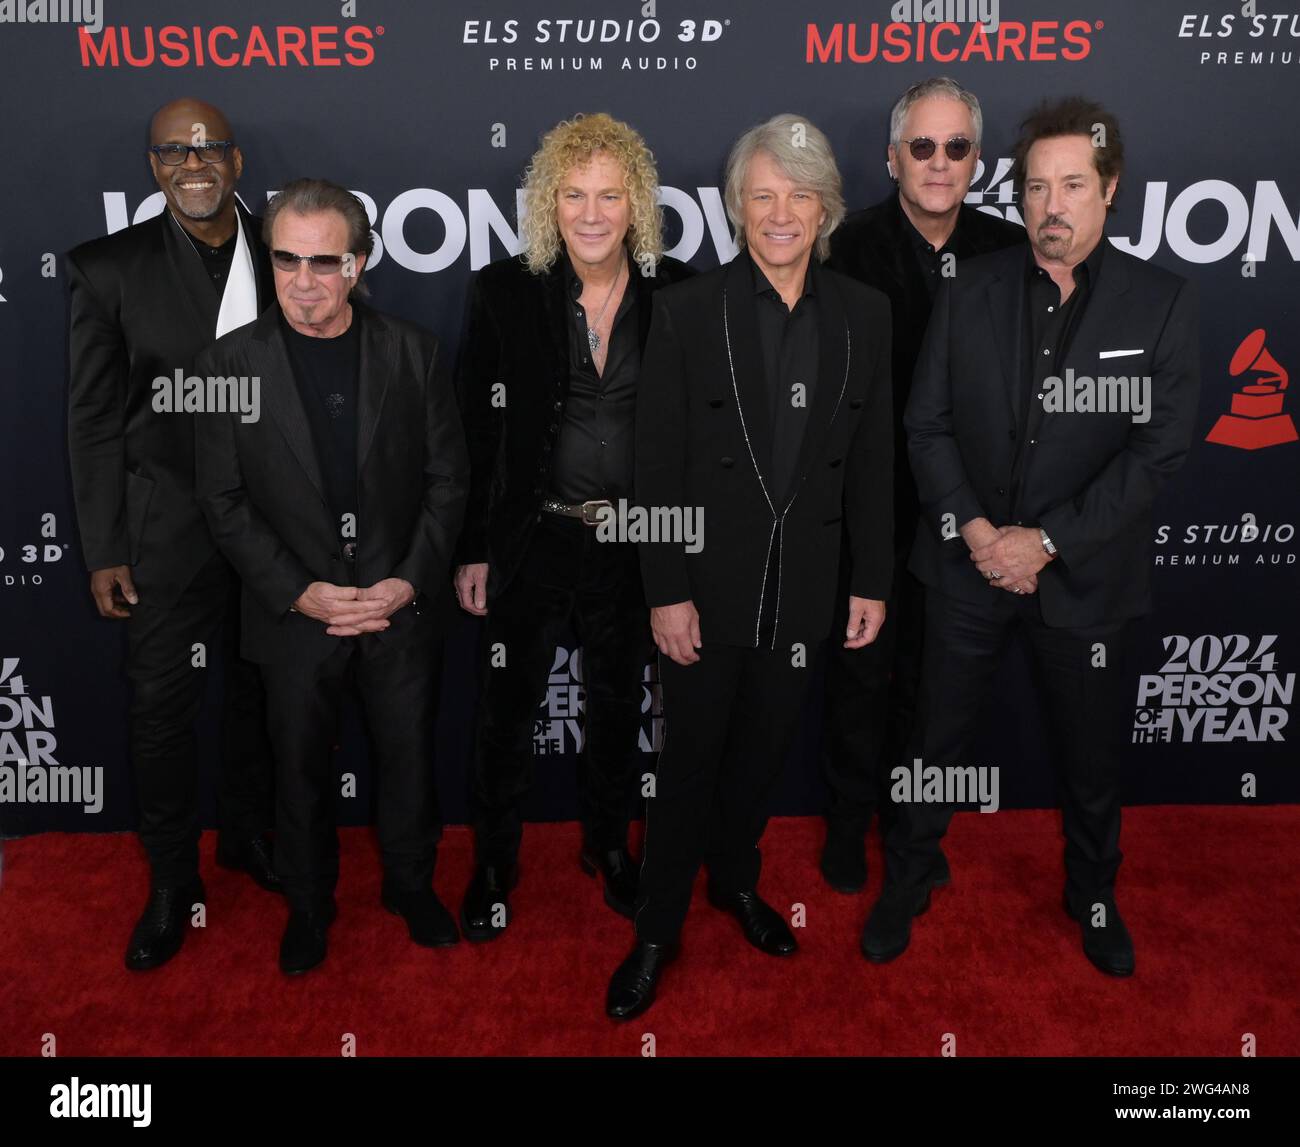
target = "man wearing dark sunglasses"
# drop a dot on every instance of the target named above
(144, 302)
(903, 246)
(340, 510)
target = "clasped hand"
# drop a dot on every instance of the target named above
(349, 610)
(1008, 557)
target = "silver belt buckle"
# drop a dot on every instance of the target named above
(589, 517)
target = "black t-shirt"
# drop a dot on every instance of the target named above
(327, 371)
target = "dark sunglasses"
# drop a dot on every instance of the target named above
(321, 264)
(174, 154)
(922, 148)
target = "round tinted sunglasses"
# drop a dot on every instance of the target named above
(922, 148)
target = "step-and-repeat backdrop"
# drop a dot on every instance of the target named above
(430, 112)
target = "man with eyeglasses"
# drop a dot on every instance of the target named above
(144, 302)
(904, 246)
(340, 509)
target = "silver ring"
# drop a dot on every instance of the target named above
(994, 575)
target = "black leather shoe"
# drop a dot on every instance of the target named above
(632, 986)
(888, 930)
(762, 924)
(428, 921)
(305, 942)
(620, 877)
(251, 855)
(844, 856)
(1108, 946)
(485, 911)
(161, 929)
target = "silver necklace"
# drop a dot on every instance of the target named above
(593, 339)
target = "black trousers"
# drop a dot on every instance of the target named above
(567, 577)
(166, 695)
(1085, 709)
(729, 721)
(871, 701)
(399, 699)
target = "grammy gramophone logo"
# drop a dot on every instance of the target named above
(1256, 418)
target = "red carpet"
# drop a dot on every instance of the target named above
(1210, 895)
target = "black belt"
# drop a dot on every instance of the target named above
(587, 511)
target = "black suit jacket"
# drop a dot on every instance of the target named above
(874, 246)
(261, 488)
(517, 335)
(1089, 479)
(704, 424)
(142, 306)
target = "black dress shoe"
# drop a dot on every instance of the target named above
(844, 856)
(1108, 945)
(429, 923)
(251, 854)
(762, 924)
(632, 986)
(620, 877)
(485, 911)
(305, 942)
(161, 930)
(888, 930)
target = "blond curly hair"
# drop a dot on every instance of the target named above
(573, 143)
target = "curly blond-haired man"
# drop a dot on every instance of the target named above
(548, 380)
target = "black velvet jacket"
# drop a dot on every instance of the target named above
(512, 380)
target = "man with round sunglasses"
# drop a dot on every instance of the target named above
(144, 302)
(340, 509)
(904, 246)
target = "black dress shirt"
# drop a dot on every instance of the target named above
(217, 261)
(327, 372)
(1049, 327)
(928, 257)
(788, 341)
(594, 449)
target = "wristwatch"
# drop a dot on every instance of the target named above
(1047, 542)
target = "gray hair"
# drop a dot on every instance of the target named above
(804, 154)
(315, 196)
(944, 88)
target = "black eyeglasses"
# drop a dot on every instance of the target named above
(321, 264)
(922, 148)
(174, 154)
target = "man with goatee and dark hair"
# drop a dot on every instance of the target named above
(1036, 515)
(145, 301)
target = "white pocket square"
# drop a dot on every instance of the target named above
(1118, 353)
